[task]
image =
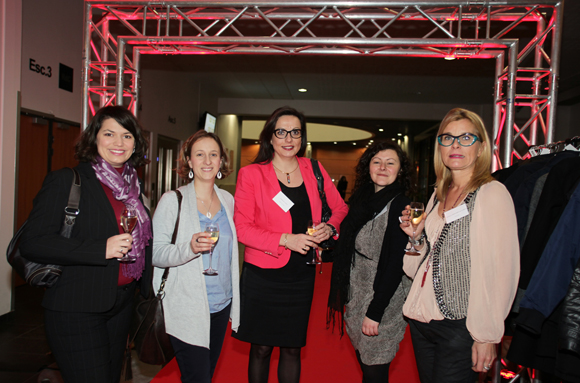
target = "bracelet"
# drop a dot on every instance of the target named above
(419, 241)
(334, 231)
(285, 241)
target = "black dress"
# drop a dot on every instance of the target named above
(275, 303)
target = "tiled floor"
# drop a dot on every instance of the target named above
(24, 353)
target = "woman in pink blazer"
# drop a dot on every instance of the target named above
(275, 198)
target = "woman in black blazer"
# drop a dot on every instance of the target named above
(88, 310)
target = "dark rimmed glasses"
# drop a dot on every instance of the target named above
(466, 139)
(282, 133)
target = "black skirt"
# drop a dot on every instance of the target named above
(275, 303)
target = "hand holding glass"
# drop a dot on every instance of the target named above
(314, 250)
(214, 233)
(128, 222)
(416, 216)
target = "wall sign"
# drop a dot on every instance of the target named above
(45, 71)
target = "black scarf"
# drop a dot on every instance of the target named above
(365, 205)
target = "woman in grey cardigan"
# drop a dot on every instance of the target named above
(197, 306)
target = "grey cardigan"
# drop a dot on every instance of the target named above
(185, 304)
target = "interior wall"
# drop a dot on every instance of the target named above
(228, 130)
(52, 33)
(10, 45)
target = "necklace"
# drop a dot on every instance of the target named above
(287, 174)
(208, 214)
(454, 203)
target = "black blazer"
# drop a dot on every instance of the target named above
(89, 281)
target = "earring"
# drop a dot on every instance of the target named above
(190, 174)
(219, 175)
(133, 150)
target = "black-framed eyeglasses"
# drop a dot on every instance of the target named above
(282, 133)
(466, 139)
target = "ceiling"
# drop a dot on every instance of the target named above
(382, 79)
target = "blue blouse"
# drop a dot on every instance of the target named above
(219, 287)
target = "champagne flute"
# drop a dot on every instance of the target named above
(313, 250)
(416, 216)
(128, 222)
(214, 233)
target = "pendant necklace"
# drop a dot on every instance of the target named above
(287, 174)
(208, 214)
(455, 203)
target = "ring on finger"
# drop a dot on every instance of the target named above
(486, 368)
(197, 240)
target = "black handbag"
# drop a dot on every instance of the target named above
(329, 244)
(151, 341)
(38, 274)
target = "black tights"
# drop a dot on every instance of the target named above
(288, 367)
(376, 373)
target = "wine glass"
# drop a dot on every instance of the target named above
(128, 222)
(416, 216)
(214, 233)
(313, 250)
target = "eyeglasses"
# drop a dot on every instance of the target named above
(282, 133)
(466, 139)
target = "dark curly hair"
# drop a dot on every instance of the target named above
(86, 145)
(185, 152)
(266, 151)
(405, 176)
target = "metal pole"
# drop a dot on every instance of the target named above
(136, 80)
(509, 104)
(541, 25)
(120, 71)
(497, 114)
(85, 75)
(555, 71)
(104, 57)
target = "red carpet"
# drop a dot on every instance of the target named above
(326, 357)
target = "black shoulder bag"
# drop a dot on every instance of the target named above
(37, 274)
(329, 244)
(151, 340)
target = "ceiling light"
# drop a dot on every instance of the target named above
(371, 141)
(393, 139)
(381, 130)
(354, 143)
(308, 143)
(334, 142)
(302, 90)
(399, 134)
(256, 142)
(450, 57)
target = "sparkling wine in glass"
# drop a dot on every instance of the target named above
(214, 233)
(416, 216)
(128, 222)
(314, 250)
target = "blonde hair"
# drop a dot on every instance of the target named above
(482, 169)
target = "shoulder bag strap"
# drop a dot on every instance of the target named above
(72, 208)
(173, 239)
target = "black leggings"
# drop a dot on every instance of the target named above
(376, 373)
(288, 367)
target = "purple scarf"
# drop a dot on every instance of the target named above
(125, 188)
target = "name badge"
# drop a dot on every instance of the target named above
(284, 202)
(456, 213)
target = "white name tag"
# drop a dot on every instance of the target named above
(284, 202)
(454, 214)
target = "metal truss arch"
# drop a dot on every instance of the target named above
(117, 33)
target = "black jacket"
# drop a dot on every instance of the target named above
(89, 281)
(570, 319)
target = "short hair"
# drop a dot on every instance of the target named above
(86, 146)
(482, 169)
(185, 153)
(266, 151)
(405, 177)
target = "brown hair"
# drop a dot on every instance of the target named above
(86, 146)
(185, 153)
(482, 170)
(266, 151)
(405, 177)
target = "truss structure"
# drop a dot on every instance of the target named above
(522, 36)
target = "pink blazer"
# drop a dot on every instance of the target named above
(260, 222)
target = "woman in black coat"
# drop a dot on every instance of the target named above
(88, 310)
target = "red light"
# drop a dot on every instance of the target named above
(507, 374)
